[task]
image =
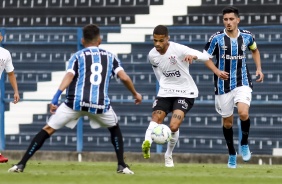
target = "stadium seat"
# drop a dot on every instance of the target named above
(11, 4)
(273, 19)
(211, 20)
(83, 20)
(68, 3)
(10, 21)
(195, 20)
(68, 21)
(254, 2)
(39, 3)
(127, 19)
(25, 4)
(97, 2)
(99, 20)
(156, 2)
(257, 19)
(54, 21)
(127, 2)
(82, 3)
(39, 21)
(239, 2)
(223, 2)
(112, 2)
(54, 3)
(180, 20)
(208, 2)
(142, 2)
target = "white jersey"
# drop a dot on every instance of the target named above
(5, 61)
(172, 71)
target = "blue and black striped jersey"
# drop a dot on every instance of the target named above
(231, 56)
(92, 68)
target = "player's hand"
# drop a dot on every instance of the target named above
(53, 108)
(223, 75)
(138, 98)
(16, 98)
(190, 58)
(259, 76)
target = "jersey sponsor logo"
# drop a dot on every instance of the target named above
(183, 103)
(233, 57)
(175, 91)
(84, 104)
(172, 73)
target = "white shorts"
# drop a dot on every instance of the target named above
(68, 117)
(224, 104)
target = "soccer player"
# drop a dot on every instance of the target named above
(86, 82)
(6, 63)
(232, 80)
(177, 92)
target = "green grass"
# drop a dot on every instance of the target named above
(50, 172)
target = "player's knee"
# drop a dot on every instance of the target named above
(174, 128)
(244, 116)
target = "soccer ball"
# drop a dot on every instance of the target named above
(161, 134)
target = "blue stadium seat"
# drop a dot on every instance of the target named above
(39, 3)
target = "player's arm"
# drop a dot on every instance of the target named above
(256, 58)
(221, 74)
(64, 84)
(13, 81)
(126, 80)
(193, 54)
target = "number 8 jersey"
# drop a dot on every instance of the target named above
(93, 68)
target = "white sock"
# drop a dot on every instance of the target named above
(149, 131)
(171, 144)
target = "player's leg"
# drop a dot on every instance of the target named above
(224, 105)
(243, 99)
(62, 116)
(109, 119)
(3, 159)
(160, 108)
(180, 107)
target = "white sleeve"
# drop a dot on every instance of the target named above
(201, 56)
(9, 65)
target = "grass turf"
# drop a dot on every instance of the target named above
(53, 172)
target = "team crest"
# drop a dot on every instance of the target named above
(243, 47)
(172, 60)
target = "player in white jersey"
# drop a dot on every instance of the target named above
(89, 70)
(177, 92)
(6, 63)
(232, 80)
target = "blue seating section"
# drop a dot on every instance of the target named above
(36, 54)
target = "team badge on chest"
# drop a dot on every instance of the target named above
(172, 60)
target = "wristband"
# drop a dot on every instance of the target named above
(56, 97)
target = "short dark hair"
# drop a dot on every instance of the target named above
(91, 32)
(161, 30)
(230, 9)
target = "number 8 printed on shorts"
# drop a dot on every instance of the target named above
(96, 70)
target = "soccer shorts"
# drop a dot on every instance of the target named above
(169, 104)
(224, 104)
(68, 117)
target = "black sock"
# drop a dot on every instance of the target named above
(245, 127)
(117, 141)
(35, 145)
(228, 134)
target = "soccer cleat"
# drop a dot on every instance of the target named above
(169, 161)
(17, 168)
(124, 170)
(3, 159)
(246, 154)
(232, 161)
(146, 149)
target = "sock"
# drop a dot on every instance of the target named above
(228, 134)
(245, 127)
(149, 131)
(117, 141)
(171, 144)
(35, 145)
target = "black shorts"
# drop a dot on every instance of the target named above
(169, 104)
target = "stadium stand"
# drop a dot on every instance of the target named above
(38, 54)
